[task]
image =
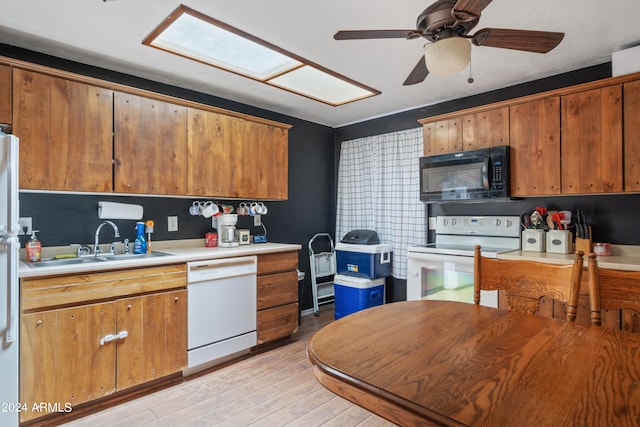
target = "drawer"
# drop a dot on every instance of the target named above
(277, 262)
(277, 322)
(277, 289)
(48, 292)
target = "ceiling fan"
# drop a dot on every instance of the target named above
(446, 23)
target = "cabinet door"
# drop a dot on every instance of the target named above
(61, 357)
(485, 129)
(592, 141)
(632, 136)
(155, 345)
(535, 147)
(277, 322)
(266, 162)
(150, 146)
(442, 136)
(5, 94)
(216, 154)
(65, 131)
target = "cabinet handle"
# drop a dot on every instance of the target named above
(110, 337)
(39, 322)
(176, 299)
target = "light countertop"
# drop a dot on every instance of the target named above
(176, 252)
(623, 257)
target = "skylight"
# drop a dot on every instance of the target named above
(204, 39)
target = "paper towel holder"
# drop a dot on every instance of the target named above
(114, 210)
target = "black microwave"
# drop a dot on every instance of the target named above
(466, 176)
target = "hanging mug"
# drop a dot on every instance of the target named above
(210, 209)
(243, 209)
(261, 209)
(195, 208)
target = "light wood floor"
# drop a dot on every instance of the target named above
(274, 388)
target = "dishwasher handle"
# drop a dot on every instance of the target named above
(199, 271)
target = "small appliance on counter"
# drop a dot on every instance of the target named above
(227, 233)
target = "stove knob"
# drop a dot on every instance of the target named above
(445, 221)
(498, 222)
(453, 221)
(508, 223)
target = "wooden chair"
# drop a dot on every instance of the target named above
(526, 282)
(612, 290)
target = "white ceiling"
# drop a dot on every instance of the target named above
(108, 34)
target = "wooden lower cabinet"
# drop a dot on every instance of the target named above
(277, 304)
(71, 355)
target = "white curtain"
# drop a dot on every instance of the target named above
(378, 189)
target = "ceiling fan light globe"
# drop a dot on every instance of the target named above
(447, 56)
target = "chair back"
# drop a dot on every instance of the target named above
(527, 282)
(611, 290)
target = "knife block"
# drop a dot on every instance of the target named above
(584, 245)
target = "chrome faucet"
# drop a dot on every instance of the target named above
(96, 243)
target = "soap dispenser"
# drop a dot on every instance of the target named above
(34, 248)
(140, 244)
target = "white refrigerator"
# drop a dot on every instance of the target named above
(9, 260)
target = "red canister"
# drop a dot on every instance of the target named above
(211, 240)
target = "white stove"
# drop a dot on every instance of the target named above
(458, 235)
(444, 269)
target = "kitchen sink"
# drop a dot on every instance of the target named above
(63, 261)
(124, 257)
(51, 262)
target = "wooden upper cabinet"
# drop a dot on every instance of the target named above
(65, 131)
(592, 141)
(489, 128)
(5, 94)
(442, 136)
(632, 136)
(266, 162)
(534, 137)
(150, 146)
(215, 154)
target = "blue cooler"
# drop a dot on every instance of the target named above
(368, 261)
(356, 293)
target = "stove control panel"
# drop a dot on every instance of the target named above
(501, 226)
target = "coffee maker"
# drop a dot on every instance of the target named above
(227, 233)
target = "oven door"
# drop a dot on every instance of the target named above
(444, 277)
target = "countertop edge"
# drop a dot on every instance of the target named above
(614, 262)
(174, 256)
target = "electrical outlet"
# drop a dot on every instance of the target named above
(172, 223)
(25, 222)
(257, 220)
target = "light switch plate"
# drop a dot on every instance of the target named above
(172, 223)
(257, 220)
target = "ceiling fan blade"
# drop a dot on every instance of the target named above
(467, 10)
(418, 74)
(531, 41)
(377, 34)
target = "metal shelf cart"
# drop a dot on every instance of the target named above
(323, 268)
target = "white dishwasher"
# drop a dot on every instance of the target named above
(221, 311)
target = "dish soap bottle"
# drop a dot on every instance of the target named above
(34, 248)
(140, 244)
